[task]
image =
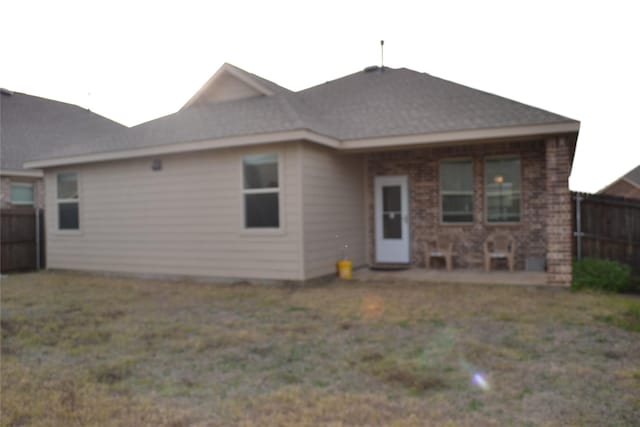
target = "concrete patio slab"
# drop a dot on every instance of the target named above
(522, 278)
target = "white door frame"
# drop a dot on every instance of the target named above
(392, 250)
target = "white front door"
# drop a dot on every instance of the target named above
(392, 219)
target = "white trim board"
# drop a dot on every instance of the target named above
(22, 173)
(353, 145)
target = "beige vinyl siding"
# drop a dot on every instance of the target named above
(186, 219)
(333, 204)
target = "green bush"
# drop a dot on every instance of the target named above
(602, 274)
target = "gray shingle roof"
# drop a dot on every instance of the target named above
(391, 102)
(31, 127)
(634, 175)
(397, 102)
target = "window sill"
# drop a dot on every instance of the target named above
(262, 232)
(68, 232)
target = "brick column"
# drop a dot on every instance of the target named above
(558, 212)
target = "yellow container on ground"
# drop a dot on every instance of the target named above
(345, 269)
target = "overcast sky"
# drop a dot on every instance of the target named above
(133, 61)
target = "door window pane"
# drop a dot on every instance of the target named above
(392, 212)
(261, 210)
(391, 200)
(392, 225)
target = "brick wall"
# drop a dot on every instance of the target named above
(5, 190)
(531, 234)
(558, 220)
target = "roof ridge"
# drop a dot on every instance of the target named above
(354, 74)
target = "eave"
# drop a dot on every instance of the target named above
(347, 145)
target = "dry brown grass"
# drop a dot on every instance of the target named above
(88, 350)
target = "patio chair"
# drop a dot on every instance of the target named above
(440, 247)
(498, 246)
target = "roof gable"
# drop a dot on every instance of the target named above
(231, 83)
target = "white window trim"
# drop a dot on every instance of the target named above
(23, 184)
(487, 194)
(455, 193)
(68, 201)
(269, 231)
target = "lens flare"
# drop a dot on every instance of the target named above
(372, 307)
(479, 380)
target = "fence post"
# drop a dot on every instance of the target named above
(37, 222)
(578, 232)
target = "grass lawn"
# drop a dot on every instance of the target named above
(80, 350)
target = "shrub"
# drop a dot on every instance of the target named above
(601, 274)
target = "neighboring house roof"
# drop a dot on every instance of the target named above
(632, 178)
(31, 126)
(359, 111)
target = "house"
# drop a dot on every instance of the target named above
(30, 125)
(252, 180)
(627, 185)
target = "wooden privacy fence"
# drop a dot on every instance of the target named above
(607, 227)
(21, 239)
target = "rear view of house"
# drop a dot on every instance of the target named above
(252, 180)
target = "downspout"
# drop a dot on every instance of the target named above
(37, 213)
(578, 232)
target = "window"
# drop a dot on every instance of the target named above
(22, 193)
(502, 189)
(68, 205)
(456, 191)
(261, 191)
